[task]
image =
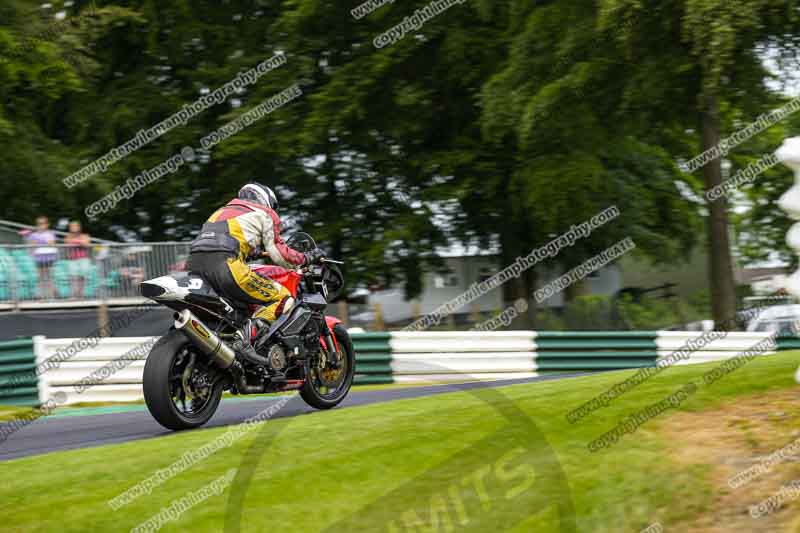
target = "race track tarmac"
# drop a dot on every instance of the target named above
(57, 433)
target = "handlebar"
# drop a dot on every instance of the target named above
(322, 260)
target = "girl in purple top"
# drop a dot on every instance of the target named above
(45, 254)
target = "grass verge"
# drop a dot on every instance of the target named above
(461, 459)
(8, 413)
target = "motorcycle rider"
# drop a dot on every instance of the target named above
(242, 228)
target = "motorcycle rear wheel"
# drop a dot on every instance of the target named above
(165, 377)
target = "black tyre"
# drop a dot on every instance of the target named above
(175, 372)
(327, 387)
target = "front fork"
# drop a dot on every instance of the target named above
(330, 345)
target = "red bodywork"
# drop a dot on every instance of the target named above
(331, 321)
(288, 278)
(291, 280)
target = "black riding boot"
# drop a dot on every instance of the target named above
(243, 345)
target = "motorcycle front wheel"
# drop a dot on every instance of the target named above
(327, 386)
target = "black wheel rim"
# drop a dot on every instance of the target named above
(190, 388)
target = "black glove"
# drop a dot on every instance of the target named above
(314, 256)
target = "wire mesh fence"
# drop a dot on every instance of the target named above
(71, 272)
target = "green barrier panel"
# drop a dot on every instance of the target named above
(362, 368)
(373, 358)
(599, 344)
(578, 354)
(18, 383)
(788, 343)
(594, 334)
(373, 380)
(370, 346)
(595, 350)
(593, 364)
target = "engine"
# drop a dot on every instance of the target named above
(277, 358)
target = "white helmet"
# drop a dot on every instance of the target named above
(260, 194)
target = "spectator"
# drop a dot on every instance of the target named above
(78, 244)
(45, 254)
(131, 274)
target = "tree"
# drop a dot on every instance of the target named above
(432, 111)
(660, 73)
(555, 103)
(48, 73)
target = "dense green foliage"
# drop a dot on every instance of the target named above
(602, 313)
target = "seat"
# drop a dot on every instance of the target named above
(207, 296)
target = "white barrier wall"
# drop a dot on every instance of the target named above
(462, 355)
(732, 344)
(114, 365)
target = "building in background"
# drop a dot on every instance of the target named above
(464, 268)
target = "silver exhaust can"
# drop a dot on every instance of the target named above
(205, 339)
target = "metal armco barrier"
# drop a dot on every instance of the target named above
(18, 383)
(401, 357)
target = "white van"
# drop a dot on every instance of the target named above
(781, 319)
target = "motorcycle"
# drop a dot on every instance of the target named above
(190, 367)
